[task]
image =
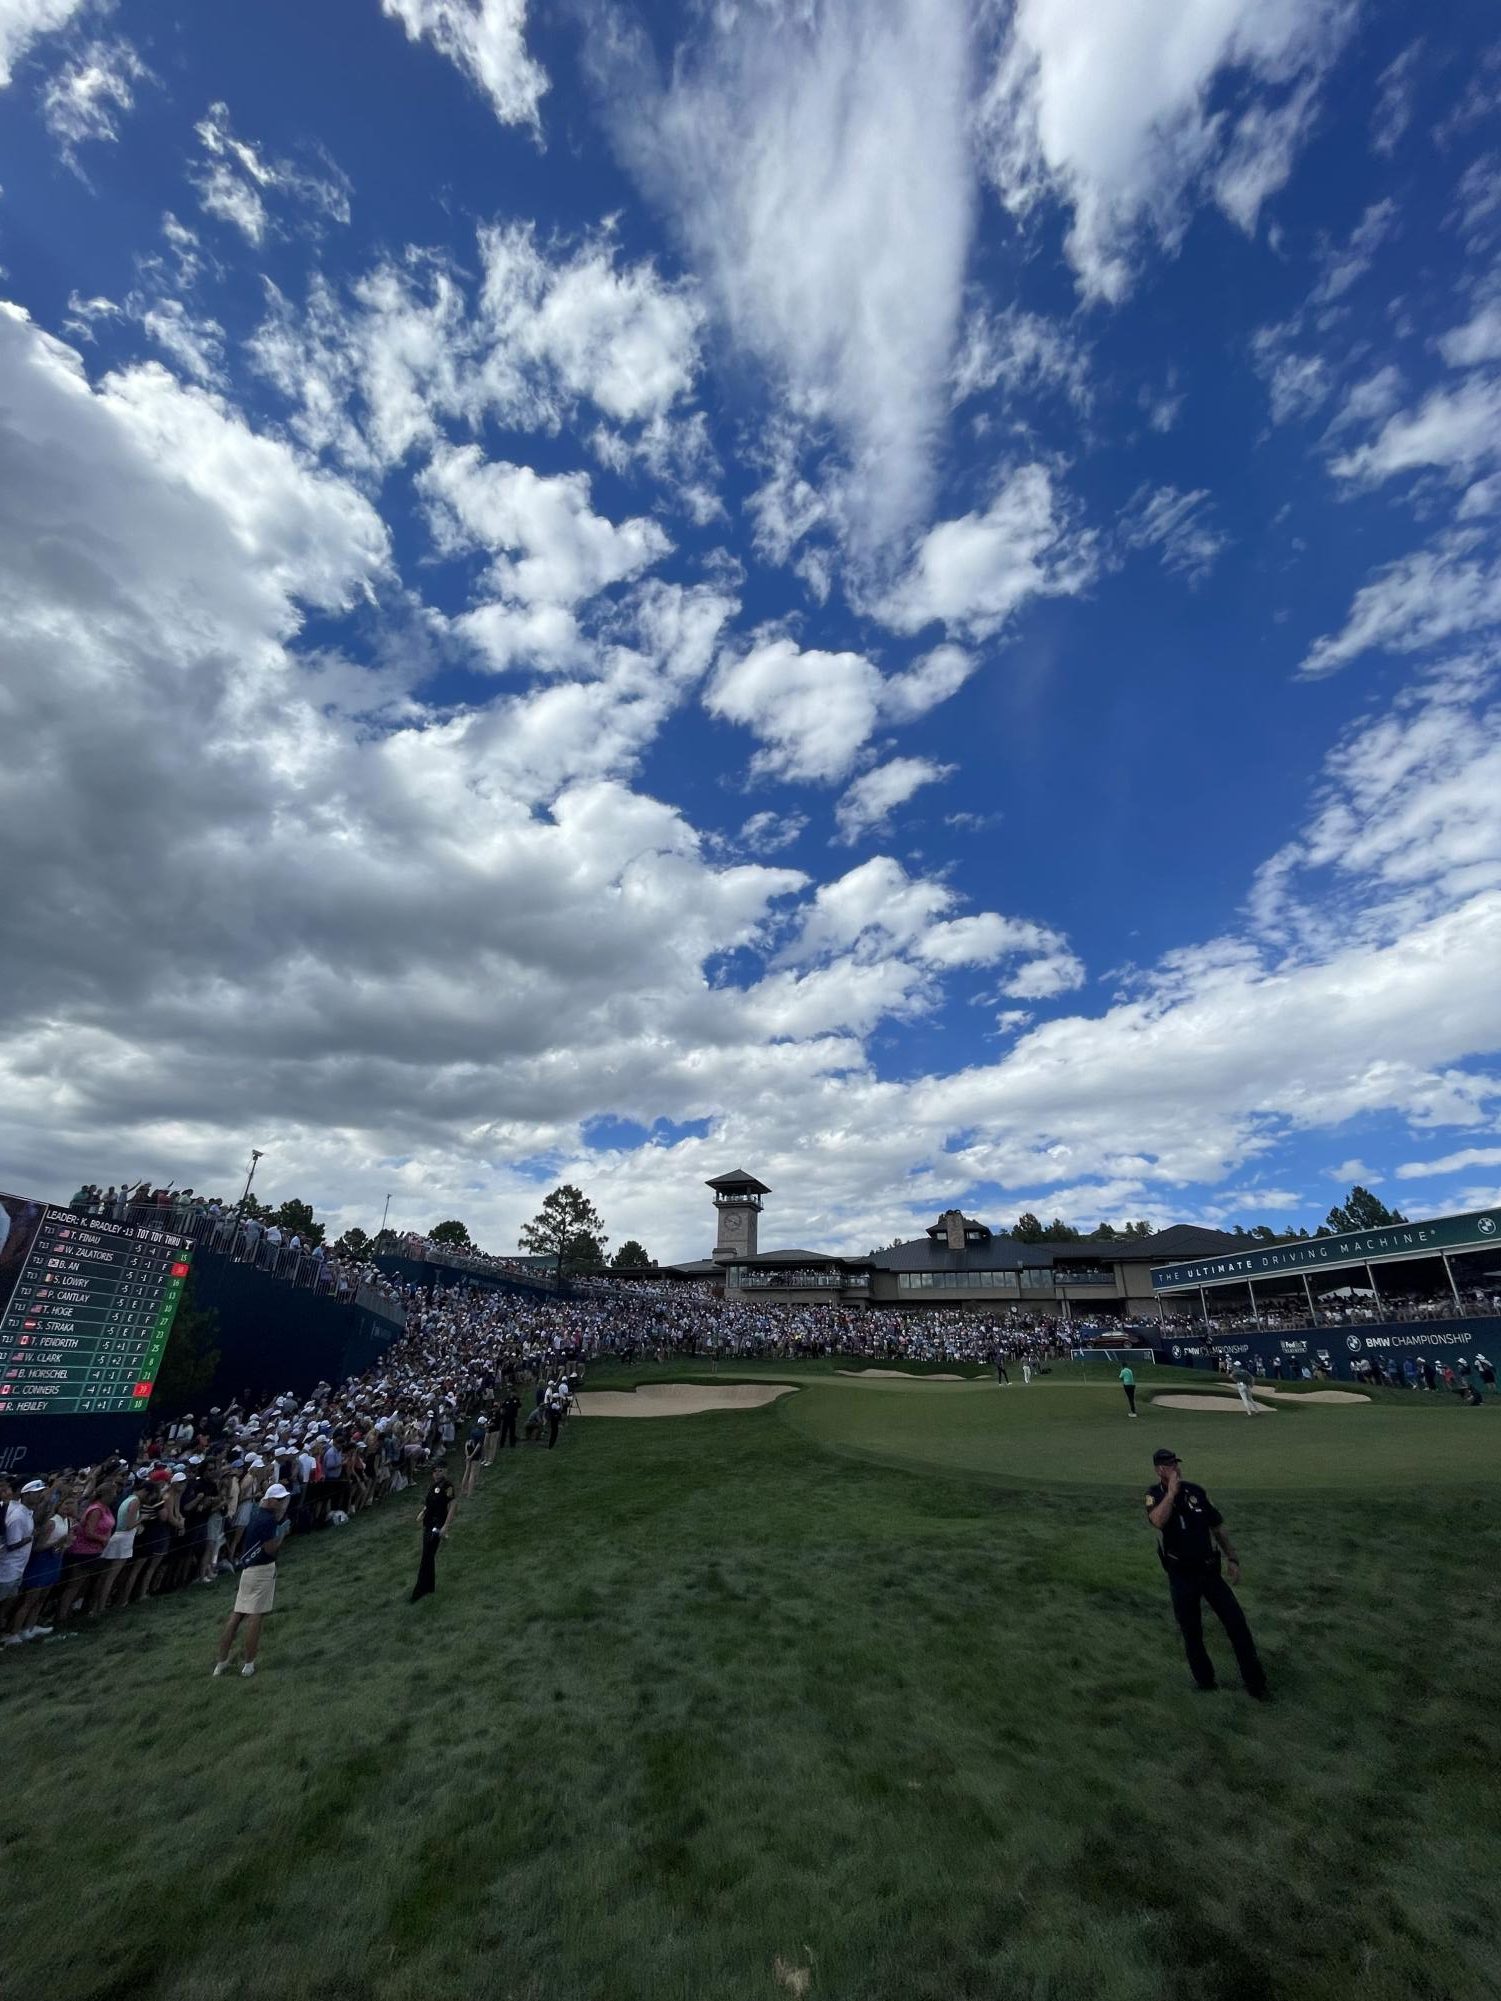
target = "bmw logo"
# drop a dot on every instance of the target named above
(1487, 1226)
(1176, 1353)
(1352, 1342)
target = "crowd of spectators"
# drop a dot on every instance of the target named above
(1288, 1314)
(240, 1234)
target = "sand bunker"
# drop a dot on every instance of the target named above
(1287, 1396)
(1210, 1403)
(679, 1399)
(901, 1376)
(1315, 1396)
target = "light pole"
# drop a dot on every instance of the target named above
(255, 1156)
(383, 1215)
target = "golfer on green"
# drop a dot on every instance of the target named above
(1128, 1384)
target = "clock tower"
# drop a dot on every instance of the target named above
(737, 1198)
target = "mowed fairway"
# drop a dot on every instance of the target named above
(873, 1692)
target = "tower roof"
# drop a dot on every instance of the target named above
(738, 1183)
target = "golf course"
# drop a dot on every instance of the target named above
(869, 1691)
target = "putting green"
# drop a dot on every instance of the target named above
(1077, 1434)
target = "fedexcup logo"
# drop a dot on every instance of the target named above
(1177, 1351)
(1352, 1342)
(1487, 1226)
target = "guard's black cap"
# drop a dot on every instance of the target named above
(1163, 1457)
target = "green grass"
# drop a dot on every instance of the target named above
(880, 1682)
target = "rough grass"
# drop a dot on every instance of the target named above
(701, 1696)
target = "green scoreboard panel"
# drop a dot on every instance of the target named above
(86, 1306)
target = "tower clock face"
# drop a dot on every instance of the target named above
(734, 1222)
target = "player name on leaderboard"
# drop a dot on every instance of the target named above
(92, 1307)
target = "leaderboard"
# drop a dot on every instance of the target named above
(89, 1313)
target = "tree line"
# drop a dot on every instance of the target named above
(1360, 1210)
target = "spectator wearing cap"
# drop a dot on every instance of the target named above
(53, 1527)
(1191, 1535)
(257, 1591)
(17, 1532)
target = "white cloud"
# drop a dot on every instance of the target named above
(497, 938)
(1451, 1163)
(1021, 353)
(623, 337)
(1296, 383)
(1369, 401)
(925, 684)
(195, 342)
(487, 40)
(816, 165)
(378, 376)
(1107, 106)
(974, 573)
(1441, 593)
(549, 546)
(236, 179)
(768, 833)
(812, 710)
(1176, 524)
(869, 803)
(23, 22)
(1396, 88)
(1346, 265)
(84, 99)
(1258, 162)
(1458, 428)
(1478, 340)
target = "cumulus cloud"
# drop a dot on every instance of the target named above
(377, 375)
(869, 803)
(815, 163)
(487, 40)
(814, 710)
(1107, 107)
(549, 545)
(973, 574)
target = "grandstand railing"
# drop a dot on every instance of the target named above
(232, 1236)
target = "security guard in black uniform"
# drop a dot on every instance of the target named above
(1190, 1535)
(510, 1406)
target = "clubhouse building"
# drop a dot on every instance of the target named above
(1450, 1262)
(958, 1262)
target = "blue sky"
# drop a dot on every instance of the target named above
(900, 595)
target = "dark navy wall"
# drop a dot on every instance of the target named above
(275, 1337)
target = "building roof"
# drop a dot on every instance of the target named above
(970, 1224)
(1003, 1253)
(1181, 1240)
(738, 1182)
(933, 1254)
(788, 1260)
